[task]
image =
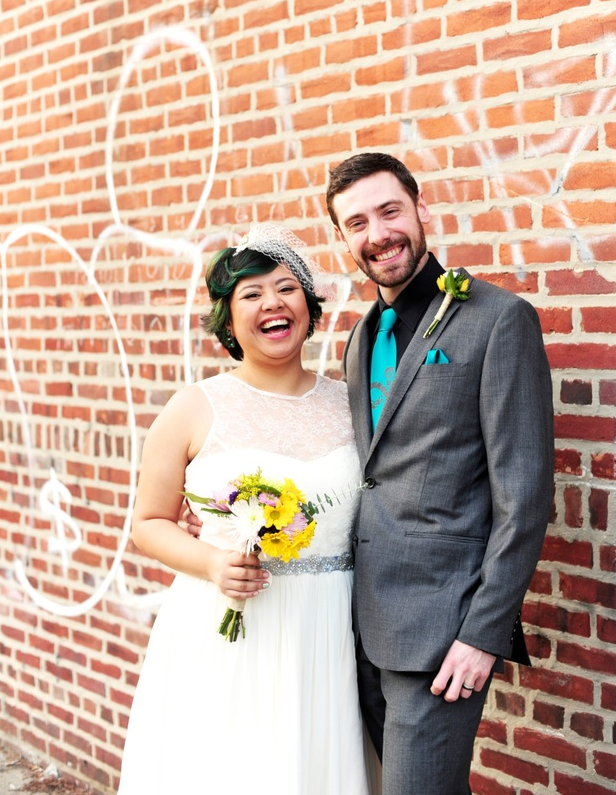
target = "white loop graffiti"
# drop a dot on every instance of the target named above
(44, 601)
(55, 498)
(179, 247)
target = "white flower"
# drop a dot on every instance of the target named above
(246, 519)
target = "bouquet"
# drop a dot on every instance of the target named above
(264, 516)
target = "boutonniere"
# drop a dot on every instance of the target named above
(454, 285)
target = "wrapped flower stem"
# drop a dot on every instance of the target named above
(233, 620)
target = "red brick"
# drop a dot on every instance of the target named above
(551, 715)
(583, 657)
(587, 725)
(592, 176)
(588, 590)
(554, 617)
(482, 785)
(574, 518)
(605, 765)
(598, 509)
(591, 28)
(382, 73)
(573, 785)
(512, 44)
(546, 745)
(539, 646)
(607, 558)
(421, 31)
(547, 250)
(602, 465)
(463, 190)
(598, 429)
(511, 703)
(607, 393)
(567, 462)
(514, 766)
(601, 319)
(577, 392)
(446, 60)
(582, 214)
(560, 684)
(593, 356)
(528, 10)
(495, 730)
(347, 50)
(495, 220)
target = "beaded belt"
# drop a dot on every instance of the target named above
(313, 564)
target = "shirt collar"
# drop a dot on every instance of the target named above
(410, 306)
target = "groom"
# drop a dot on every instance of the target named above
(455, 439)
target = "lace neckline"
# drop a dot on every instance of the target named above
(302, 428)
(248, 386)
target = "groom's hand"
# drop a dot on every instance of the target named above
(465, 670)
(190, 521)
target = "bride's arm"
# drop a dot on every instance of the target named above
(171, 442)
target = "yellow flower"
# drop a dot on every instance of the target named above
(303, 539)
(289, 489)
(281, 514)
(277, 545)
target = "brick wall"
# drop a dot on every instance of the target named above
(137, 134)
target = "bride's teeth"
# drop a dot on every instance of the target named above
(272, 323)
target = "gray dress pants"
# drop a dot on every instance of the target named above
(424, 742)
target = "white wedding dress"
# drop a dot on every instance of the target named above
(276, 712)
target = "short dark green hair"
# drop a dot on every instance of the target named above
(224, 272)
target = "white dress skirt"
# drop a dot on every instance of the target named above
(277, 711)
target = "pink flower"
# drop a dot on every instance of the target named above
(298, 524)
(222, 498)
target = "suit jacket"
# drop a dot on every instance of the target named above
(458, 483)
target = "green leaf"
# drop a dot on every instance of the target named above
(196, 498)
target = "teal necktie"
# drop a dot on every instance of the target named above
(383, 363)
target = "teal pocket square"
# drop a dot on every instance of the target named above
(436, 356)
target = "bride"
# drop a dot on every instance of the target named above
(276, 712)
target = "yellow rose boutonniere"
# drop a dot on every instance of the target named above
(454, 285)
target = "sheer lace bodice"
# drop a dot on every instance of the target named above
(306, 427)
(309, 439)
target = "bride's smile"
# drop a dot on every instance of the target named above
(269, 315)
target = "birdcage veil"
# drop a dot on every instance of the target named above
(284, 247)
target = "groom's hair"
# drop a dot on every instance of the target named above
(224, 272)
(365, 165)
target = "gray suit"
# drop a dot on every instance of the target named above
(459, 477)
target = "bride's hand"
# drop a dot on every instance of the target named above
(238, 576)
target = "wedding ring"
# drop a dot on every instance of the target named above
(466, 687)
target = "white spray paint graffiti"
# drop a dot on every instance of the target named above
(55, 498)
(53, 492)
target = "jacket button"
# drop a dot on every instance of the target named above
(370, 483)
